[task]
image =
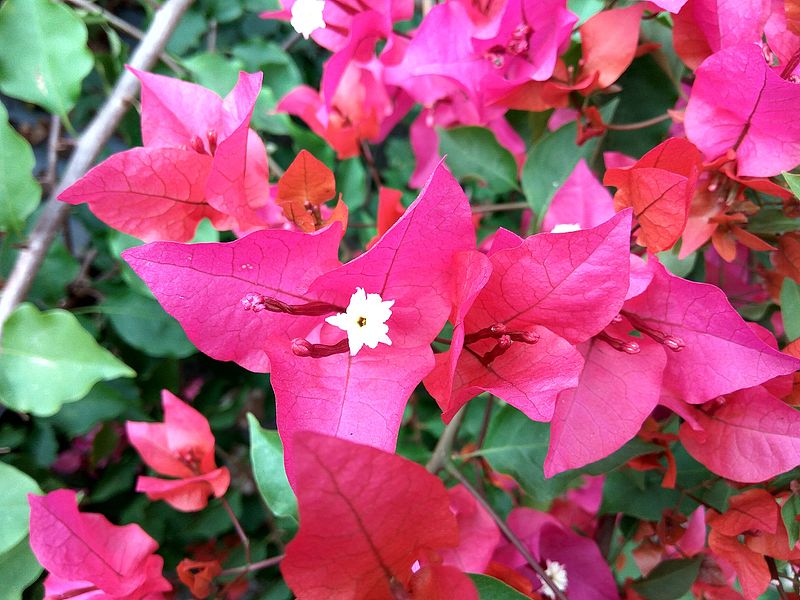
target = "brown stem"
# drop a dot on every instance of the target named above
(52, 152)
(239, 531)
(487, 417)
(510, 536)
(488, 208)
(256, 566)
(639, 125)
(441, 453)
(125, 27)
(773, 571)
(366, 153)
(791, 65)
(89, 145)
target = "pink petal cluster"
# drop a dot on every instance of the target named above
(200, 160)
(262, 301)
(181, 447)
(88, 557)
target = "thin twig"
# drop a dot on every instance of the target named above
(773, 571)
(639, 125)
(441, 454)
(510, 536)
(487, 417)
(290, 41)
(126, 27)
(89, 145)
(370, 160)
(239, 531)
(52, 153)
(256, 566)
(488, 208)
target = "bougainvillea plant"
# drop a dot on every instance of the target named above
(363, 300)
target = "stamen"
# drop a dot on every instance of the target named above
(197, 145)
(497, 331)
(212, 140)
(259, 302)
(503, 344)
(304, 348)
(619, 345)
(672, 342)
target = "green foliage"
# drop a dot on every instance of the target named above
(670, 579)
(18, 189)
(790, 511)
(517, 446)
(143, 324)
(18, 569)
(474, 154)
(552, 159)
(490, 588)
(14, 489)
(49, 359)
(44, 57)
(790, 308)
(266, 456)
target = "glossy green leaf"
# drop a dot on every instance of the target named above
(48, 359)
(143, 324)
(790, 511)
(214, 71)
(517, 446)
(490, 588)
(44, 57)
(473, 153)
(266, 456)
(670, 579)
(19, 190)
(638, 494)
(551, 160)
(14, 511)
(790, 308)
(18, 569)
(585, 8)
(794, 183)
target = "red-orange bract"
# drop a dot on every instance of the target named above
(366, 517)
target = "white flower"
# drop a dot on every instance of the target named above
(307, 16)
(557, 574)
(364, 321)
(565, 228)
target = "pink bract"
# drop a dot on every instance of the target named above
(182, 447)
(83, 550)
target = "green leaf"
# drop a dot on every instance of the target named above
(585, 8)
(214, 71)
(19, 190)
(49, 359)
(266, 455)
(517, 446)
(44, 57)
(638, 494)
(675, 265)
(143, 324)
(281, 74)
(14, 512)
(18, 569)
(551, 160)
(670, 579)
(790, 511)
(490, 588)
(794, 183)
(771, 220)
(790, 308)
(351, 183)
(474, 153)
(105, 401)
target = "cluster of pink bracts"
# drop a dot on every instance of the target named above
(570, 327)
